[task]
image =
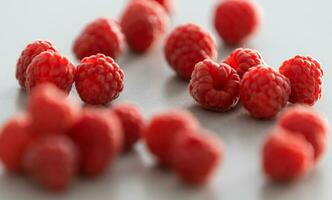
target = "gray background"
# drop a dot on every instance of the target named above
(290, 27)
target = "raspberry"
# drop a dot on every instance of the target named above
(264, 92)
(15, 136)
(305, 75)
(166, 4)
(52, 161)
(305, 121)
(50, 111)
(163, 128)
(244, 59)
(143, 23)
(28, 54)
(100, 36)
(236, 20)
(286, 156)
(132, 123)
(99, 137)
(215, 87)
(50, 67)
(187, 45)
(195, 157)
(99, 79)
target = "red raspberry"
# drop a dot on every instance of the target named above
(99, 79)
(236, 20)
(132, 123)
(305, 75)
(28, 54)
(99, 137)
(14, 138)
(100, 36)
(244, 59)
(167, 4)
(50, 67)
(264, 92)
(215, 87)
(143, 23)
(164, 128)
(52, 161)
(50, 111)
(305, 121)
(182, 49)
(195, 157)
(286, 156)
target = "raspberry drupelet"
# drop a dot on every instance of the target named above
(214, 86)
(28, 54)
(187, 45)
(100, 36)
(305, 75)
(99, 79)
(264, 92)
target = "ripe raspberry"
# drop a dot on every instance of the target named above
(195, 157)
(98, 136)
(163, 128)
(98, 79)
(52, 161)
(305, 121)
(143, 23)
(264, 92)
(132, 123)
(28, 54)
(166, 4)
(286, 156)
(182, 49)
(244, 59)
(100, 36)
(305, 75)
(215, 87)
(50, 67)
(236, 20)
(50, 111)
(14, 138)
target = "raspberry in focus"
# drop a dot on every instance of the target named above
(100, 36)
(187, 45)
(50, 67)
(236, 20)
(305, 76)
(99, 79)
(264, 92)
(27, 55)
(214, 86)
(243, 59)
(143, 23)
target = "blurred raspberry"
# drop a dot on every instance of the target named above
(167, 4)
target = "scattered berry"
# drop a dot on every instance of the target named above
(166, 4)
(243, 59)
(15, 137)
(98, 79)
(264, 92)
(143, 23)
(236, 20)
(187, 45)
(50, 67)
(52, 161)
(195, 157)
(28, 54)
(215, 87)
(305, 75)
(164, 128)
(132, 123)
(286, 156)
(98, 136)
(50, 110)
(304, 120)
(100, 36)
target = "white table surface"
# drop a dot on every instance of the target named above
(290, 27)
